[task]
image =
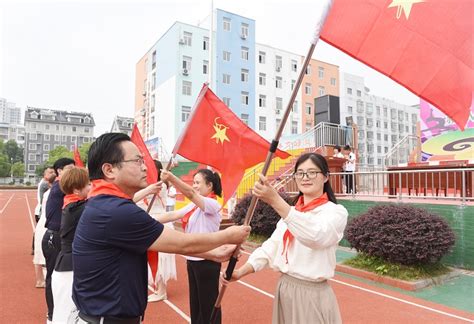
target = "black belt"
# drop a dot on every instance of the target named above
(110, 319)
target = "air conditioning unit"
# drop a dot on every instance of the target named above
(278, 69)
(142, 112)
(185, 72)
(181, 41)
(243, 36)
(144, 93)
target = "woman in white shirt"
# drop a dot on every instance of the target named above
(303, 245)
(202, 215)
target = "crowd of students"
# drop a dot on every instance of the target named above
(103, 251)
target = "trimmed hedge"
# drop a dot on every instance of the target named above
(264, 219)
(402, 234)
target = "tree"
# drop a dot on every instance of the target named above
(84, 151)
(18, 169)
(58, 153)
(4, 166)
(13, 151)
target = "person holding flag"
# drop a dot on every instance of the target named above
(161, 266)
(202, 215)
(303, 245)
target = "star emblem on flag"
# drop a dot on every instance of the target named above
(403, 5)
(220, 134)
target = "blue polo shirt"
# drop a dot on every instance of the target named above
(54, 207)
(110, 257)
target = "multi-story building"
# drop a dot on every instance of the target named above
(122, 125)
(12, 132)
(9, 113)
(47, 129)
(254, 80)
(381, 122)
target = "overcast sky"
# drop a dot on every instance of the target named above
(81, 55)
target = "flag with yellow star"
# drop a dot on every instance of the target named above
(425, 45)
(215, 136)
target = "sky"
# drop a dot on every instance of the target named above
(81, 55)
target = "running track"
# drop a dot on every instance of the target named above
(249, 301)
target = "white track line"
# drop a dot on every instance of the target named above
(29, 211)
(255, 288)
(8, 201)
(372, 292)
(177, 310)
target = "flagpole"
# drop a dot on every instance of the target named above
(168, 167)
(272, 150)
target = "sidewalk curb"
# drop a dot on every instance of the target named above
(398, 283)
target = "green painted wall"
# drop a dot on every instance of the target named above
(461, 220)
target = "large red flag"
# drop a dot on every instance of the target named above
(426, 46)
(152, 173)
(77, 157)
(215, 136)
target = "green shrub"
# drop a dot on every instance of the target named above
(401, 234)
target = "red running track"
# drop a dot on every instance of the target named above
(246, 302)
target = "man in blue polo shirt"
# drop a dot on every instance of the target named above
(114, 234)
(51, 243)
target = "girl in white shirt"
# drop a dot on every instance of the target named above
(303, 245)
(202, 215)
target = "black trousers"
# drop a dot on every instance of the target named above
(51, 246)
(203, 278)
(350, 182)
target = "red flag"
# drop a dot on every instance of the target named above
(215, 136)
(426, 46)
(152, 173)
(77, 157)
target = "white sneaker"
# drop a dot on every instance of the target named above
(155, 297)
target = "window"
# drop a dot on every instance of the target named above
(33, 136)
(86, 129)
(46, 137)
(57, 138)
(385, 138)
(360, 120)
(407, 129)
(308, 69)
(359, 93)
(64, 139)
(187, 63)
(226, 56)
(333, 81)
(262, 101)
(385, 111)
(32, 157)
(74, 129)
(205, 43)
(187, 88)
(277, 123)
(226, 24)
(320, 72)
(244, 98)
(361, 134)
(414, 118)
(262, 123)
(393, 113)
(309, 108)
(377, 110)
(32, 167)
(262, 79)
(294, 65)
(378, 123)
(278, 82)
(308, 126)
(152, 125)
(57, 127)
(349, 109)
(33, 125)
(360, 107)
(278, 63)
(32, 147)
(295, 106)
(187, 37)
(226, 78)
(153, 60)
(226, 100)
(406, 116)
(205, 67)
(244, 53)
(245, 118)
(400, 128)
(278, 105)
(370, 108)
(261, 57)
(74, 139)
(244, 30)
(46, 127)
(394, 139)
(385, 125)
(322, 91)
(385, 148)
(244, 75)
(153, 81)
(370, 135)
(349, 91)
(293, 82)
(308, 88)
(185, 112)
(294, 127)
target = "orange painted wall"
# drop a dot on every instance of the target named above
(140, 79)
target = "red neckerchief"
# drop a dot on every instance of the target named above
(185, 219)
(102, 187)
(300, 206)
(69, 199)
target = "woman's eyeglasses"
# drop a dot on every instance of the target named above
(311, 174)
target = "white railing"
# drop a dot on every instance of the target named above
(408, 149)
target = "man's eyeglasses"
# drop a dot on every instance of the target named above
(311, 174)
(138, 161)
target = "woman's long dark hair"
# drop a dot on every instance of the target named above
(212, 177)
(321, 163)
